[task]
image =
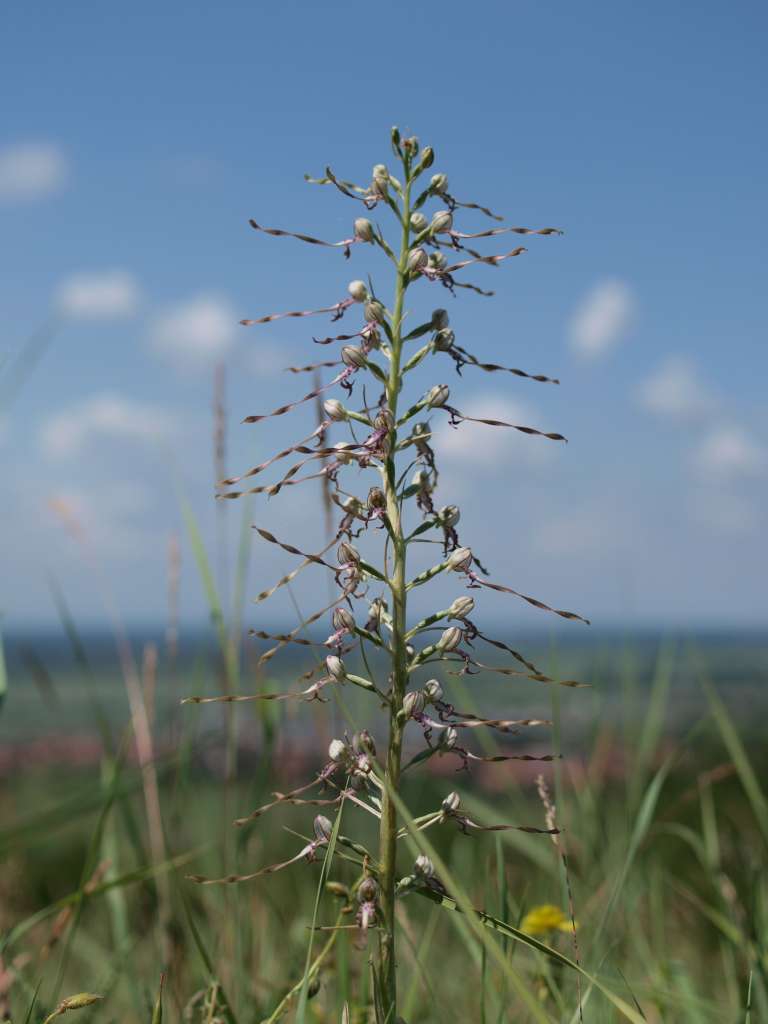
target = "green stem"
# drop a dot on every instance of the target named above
(399, 678)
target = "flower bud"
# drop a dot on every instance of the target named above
(421, 432)
(347, 553)
(352, 505)
(414, 703)
(343, 619)
(437, 261)
(384, 420)
(442, 221)
(352, 356)
(437, 396)
(461, 607)
(338, 750)
(380, 171)
(364, 742)
(443, 340)
(449, 515)
(448, 738)
(334, 410)
(335, 667)
(439, 183)
(449, 639)
(418, 222)
(451, 803)
(376, 498)
(77, 1002)
(376, 610)
(380, 181)
(440, 319)
(424, 866)
(375, 312)
(432, 691)
(368, 890)
(343, 454)
(358, 290)
(323, 828)
(363, 229)
(423, 480)
(427, 158)
(417, 260)
(460, 560)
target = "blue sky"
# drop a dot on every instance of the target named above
(140, 139)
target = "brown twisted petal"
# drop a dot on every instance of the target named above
(306, 312)
(313, 366)
(270, 537)
(476, 206)
(505, 231)
(294, 632)
(283, 409)
(289, 577)
(493, 367)
(531, 600)
(280, 798)
(537, 677)
(273, 489)
(232, 879)
(473, 288)
(492, 260)
(513, 426)
(298, 447)
(279, 233)
(510, 650)
(510, 757)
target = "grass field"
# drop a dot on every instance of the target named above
(659, 792)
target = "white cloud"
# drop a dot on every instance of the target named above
(99, 295)
(728, 452)
(602, 318)
(675, 390)
(478, 444)
(112, 416)
(31, 170)
(197, 332)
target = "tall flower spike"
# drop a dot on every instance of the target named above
(388, 436)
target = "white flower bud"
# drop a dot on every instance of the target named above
(439, 183)
(448, 738)
(461, 607)
(417, 260)
(424, 866)
(440, 319)
(449, 515)
(323, 828)
(347, 554)
(432, 691)
(358, 290)
(423, 480)
(338, 750)
(449, 639)
(451, 803)
(363, 229)
(352, 356)
(411, 144)
(418, 222)
(444, 339)
(343, 455)
(380, 171)
(384, 420)
(421, 432)
(442, 221)
(413, 703)
(343, 619)
(334, 410)
(368, 890)
(437, 261)
(375, 312)
(437, 396)
(376, 498)
(335, 667)
(460, 560)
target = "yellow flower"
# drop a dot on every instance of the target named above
(545, 918)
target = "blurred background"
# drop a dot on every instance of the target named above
(136, 142)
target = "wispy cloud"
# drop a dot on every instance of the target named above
(109, 294)
(602, 319)
(196, 332)
(108, 415)
(31, 170)
(728, 452)
(675, 390)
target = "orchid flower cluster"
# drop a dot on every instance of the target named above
(391, 439)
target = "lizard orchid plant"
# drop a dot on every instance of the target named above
(390, 437)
